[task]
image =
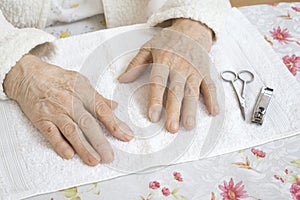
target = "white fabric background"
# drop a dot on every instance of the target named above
(76, 63)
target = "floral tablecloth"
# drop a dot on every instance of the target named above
(266, 172)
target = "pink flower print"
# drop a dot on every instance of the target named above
(286, 171)
(154, 185)
(258, 153)
(297, 9)
(279, 178)
(292, 63)
(295, 190)
(165, 191)
(282, 36)
(233, 192)
(274, 4)
(177, 176)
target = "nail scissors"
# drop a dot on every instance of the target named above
(246, 77)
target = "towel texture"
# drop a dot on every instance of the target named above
(29, 166)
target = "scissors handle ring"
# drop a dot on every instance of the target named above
(235, 77)
(250, 74)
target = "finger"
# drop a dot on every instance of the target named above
(53, 135)
(115, 126)
(111, 103)
(208, 89)
(191, 97)
(94, 134)
(88, 93)
(158, 81)
(137, 66)
(75, 136)
(174, 100)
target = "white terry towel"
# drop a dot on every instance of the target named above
(29, 166)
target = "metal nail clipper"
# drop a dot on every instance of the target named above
(261, 105)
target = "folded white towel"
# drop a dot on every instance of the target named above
(29, 166)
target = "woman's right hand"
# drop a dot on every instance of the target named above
(63, 106)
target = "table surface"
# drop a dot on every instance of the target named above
(269, 172)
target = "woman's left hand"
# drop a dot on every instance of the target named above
(179, 53)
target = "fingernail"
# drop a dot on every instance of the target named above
(155, 113)
(93, 160)
(216, 109)
(123, 77)
(190, 122)
(120, 77)
(68, 154)
(173, 126)
(108, 158)
(128, 132)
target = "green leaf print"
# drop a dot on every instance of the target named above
(175, 191)
(183, 197)
(70, 192)
(296, 162)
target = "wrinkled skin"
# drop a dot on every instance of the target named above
(63, 106)
(180, 56)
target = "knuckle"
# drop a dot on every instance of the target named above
(59, 146)
(192, 91)
(153, 101)
(111, 124)
(86, 121)
(156, 90)
(212, 86)
(41, 108)
(114, 128)
(50, 131)
(69, 130)
(177, 88)
(157, 80)
(102, 109)
(102, 146)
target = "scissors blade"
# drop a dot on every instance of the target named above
(243, 112)
(242, 107)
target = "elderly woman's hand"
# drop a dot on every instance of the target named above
(179, 53)
(62, 105)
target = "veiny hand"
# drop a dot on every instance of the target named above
(62, 105)
(179, 55)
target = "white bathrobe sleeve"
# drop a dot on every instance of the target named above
(210, 12)
(126, 12)
(26, 13)
(14, 43)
